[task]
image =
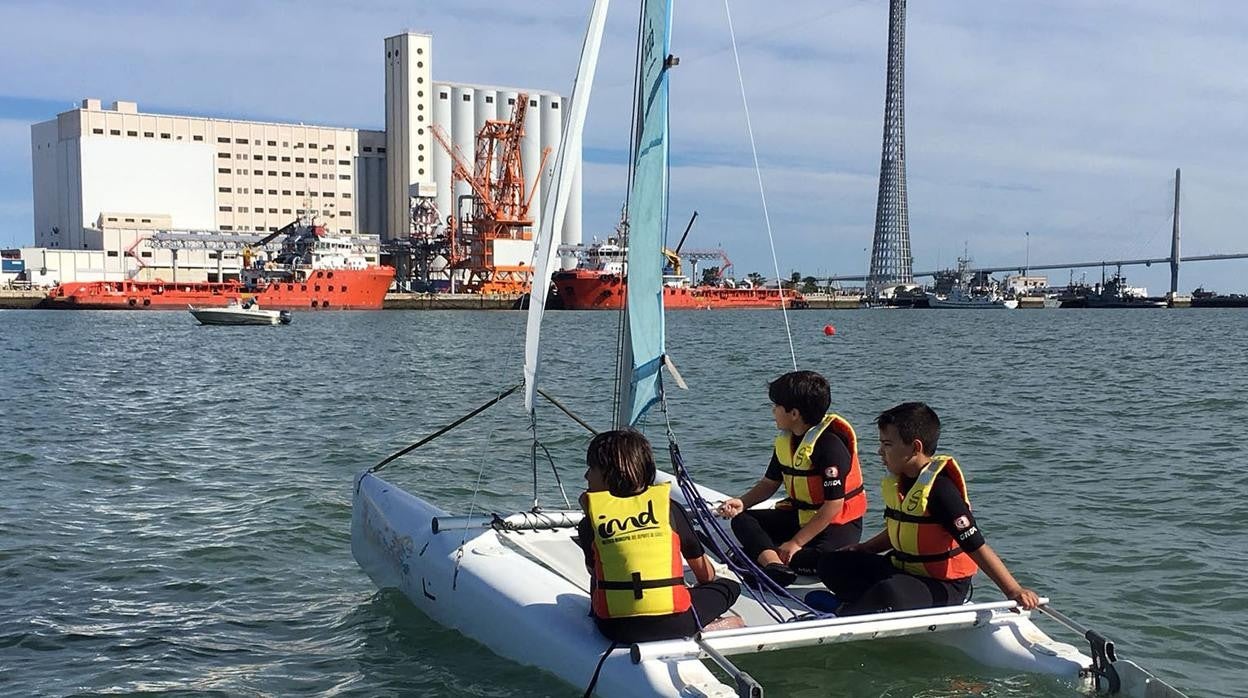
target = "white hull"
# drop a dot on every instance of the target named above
(236, 315)
(525, 596)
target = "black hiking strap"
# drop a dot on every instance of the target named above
(935, 557)
(593, 680)
(638, 586)
(895, 515)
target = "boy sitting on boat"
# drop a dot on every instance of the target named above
(815, 456)
(634, 538)
(932, 542)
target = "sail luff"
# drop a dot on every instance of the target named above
(555, 198)
(643, 341)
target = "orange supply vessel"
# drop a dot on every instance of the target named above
(312, 271)
(599, 285)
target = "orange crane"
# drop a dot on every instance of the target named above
(500, 207)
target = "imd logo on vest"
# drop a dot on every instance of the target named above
(643, 521)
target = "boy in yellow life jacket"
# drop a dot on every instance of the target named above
(932, 543)
(636, 541)
(815, 457)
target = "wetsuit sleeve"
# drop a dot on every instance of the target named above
(690, 544)
(945, 503)
(585, 538)
(773, 468)
(832, 459)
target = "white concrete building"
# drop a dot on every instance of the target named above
(96, 168)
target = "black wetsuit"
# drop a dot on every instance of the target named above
(766, 529)
(710, 600)
(869, 583)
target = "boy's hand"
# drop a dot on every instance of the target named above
(730, 507)
(786, 551)
(1026, 598)
(584, 501)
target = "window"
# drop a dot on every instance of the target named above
(133, 134)
(286, 192)
(240, 156)
(241, 140)
(272, 143)
(272, 158)
(227, 227)
(111, 219)
(272, 210)
(554, 105)
(223, 190)
(285, 174)
(285, 158)
(195, 138)
(420, 171)
(298, 159)
(223, 170)
(149, 134)
(165, 136)
(344, 214)
(273, 192)
(244, 209)
(299, 193)
(488, 99)
(441, 95)
(313, 193)
(344, 231)
(98, 130)
(344, 162)
(112, 253)
(272, 173)
(257, 157)
(312, 145)
(511, 100)
(285, 144)
(227, 209)
(313, 175)
(344, 176)
(146, 220)
(257, 141)
(260, 227)
(348, 149)
(242, 172)
(114, 132)
(467, 98)
(328, 194)
(299, 174)
(222, 140)
(381, 150)
(532, 102)
(346, 195)
(368, 148)
(285, 210)
(145, 253)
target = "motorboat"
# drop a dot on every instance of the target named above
(240, 313)
(961, 298)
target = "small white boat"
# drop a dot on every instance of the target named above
(957, 298)
(246, 313)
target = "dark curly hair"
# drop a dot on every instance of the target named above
(624, 458)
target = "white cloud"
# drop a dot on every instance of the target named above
(1065, 119)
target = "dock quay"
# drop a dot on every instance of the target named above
(19, 299)
(833, 301)
(449, 301)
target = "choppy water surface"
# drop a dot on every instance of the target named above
(175, 508)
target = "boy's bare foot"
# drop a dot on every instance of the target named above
(725, 623)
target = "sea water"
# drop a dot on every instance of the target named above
(175, 508)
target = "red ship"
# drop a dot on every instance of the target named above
(312, 271)
(599, 285)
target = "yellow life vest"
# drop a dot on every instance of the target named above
(804, 484)
(921, 545)
(638, 568)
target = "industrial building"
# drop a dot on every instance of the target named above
(106, 178)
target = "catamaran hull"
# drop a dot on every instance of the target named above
(500, 591)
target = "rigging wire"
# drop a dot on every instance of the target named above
(762, 193)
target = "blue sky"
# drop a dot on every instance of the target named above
(1065, 119)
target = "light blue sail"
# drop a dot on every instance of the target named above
(642, 358)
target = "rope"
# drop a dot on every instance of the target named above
(758, 172)
(445, 429)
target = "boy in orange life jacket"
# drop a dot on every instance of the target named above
(816, 458)
(635, 541)
(933, 544)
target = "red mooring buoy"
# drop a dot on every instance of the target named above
(829, 330)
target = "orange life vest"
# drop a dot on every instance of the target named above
(921, 545)
(638, 568)
(804, 484)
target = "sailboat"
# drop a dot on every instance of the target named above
(516, 582)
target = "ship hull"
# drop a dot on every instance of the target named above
(582, 290)
(324, 289)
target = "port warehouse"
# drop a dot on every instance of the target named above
(108, 177)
